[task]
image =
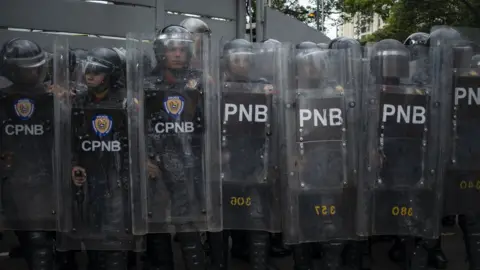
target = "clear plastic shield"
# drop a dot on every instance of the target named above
(458, 61)
(321, 109)
(250, 94)
(177, 132)
(96, 160)
(403, 162)
(27, 147)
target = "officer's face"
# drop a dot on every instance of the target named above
(239, 64)
(176, 57)
(94, 79)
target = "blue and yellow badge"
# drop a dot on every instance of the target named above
(173, 105)
(102, 124)
(24, 108)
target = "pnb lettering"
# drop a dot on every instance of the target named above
(472, 98)
(257, 113)
(35, 130)
(103, 146)
(174, 127)
(406, 114)
(325, 117)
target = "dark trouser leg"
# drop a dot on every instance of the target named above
(417, 253)
(332, 255)
(218, 250)
(278, 249)
(66, 260)
(192, 251)
(38, 249)
(239, 244)
(107, 260)
(302, 257)
(259, 247)
(352, 255)
(436, 257)
(159, 253)
(470, 225)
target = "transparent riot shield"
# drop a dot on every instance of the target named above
(457, 56)
(250, 94)
(403, 158)
(27, 176)
(177, 131)
(96, 161)
(321, 107)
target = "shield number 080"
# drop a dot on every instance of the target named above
(402, 211)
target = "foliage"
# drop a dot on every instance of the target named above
(404, 17)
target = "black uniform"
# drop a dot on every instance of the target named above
(27, 199)
(177, 156)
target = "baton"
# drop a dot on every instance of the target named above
(80, 195)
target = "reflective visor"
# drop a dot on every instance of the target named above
(30, 62)
(94, 67)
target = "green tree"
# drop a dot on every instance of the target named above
(404, 17)
(289, 7)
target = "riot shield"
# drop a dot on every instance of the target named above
(27, 147)
(320, 109)
(459, 71)
(250, 134)
(96, 160)
(403, 159)
(177, 133)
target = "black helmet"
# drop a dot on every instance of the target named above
(194, 25)
(103, 61)
(272, 41)
(173, 36)
(390, 58)
(443, 35)
(23, 62)
(235, 50)
(419, 38)
(305, 45)
(322, 46)
(333, 41)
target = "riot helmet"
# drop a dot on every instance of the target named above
(266, 58)
(390, 59)
(23, 62)
(443, 35)
(419, 38)
(475, 63)
(173, 47)
(238, 57)
(305, 45)
(194, 25)
(323, 46)
(101, 69)
(312, 63)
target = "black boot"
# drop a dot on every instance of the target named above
(240, 245)
(259, 247)
(436, 257)
(352, 255)
(332, 253)
(417, 251)
(218, 250)
(470, 225)
(192, 250)
(66, 260)
(115, 260)
(302, 257)
(39, 250)
(278, 249)
(159, 253)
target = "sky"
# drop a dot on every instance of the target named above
(331, 31)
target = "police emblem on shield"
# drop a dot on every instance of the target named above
(173, 105)
(192, 84)
(102, 124)
(24, 108)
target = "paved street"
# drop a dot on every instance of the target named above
(452, 245)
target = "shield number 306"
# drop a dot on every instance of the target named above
(240, 201)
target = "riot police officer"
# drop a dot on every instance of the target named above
(175, 159)
(404, 186)
(321, 85)
(248, 186)
(27, 180)
(97, 216)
